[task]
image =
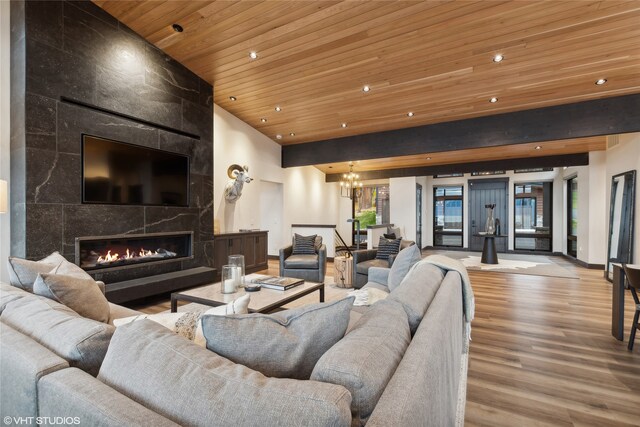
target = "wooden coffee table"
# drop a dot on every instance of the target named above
(263, 301)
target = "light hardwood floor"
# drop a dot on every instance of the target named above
(542, 353)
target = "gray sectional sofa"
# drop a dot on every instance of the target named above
(54, 363)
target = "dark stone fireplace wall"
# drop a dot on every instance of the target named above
(65, 50)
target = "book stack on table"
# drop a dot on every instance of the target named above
(275, 282)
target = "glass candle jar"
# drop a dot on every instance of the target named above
(230, 279)
(238, 261)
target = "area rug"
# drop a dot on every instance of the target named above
(535, 265)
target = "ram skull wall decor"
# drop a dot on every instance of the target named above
(239, 175)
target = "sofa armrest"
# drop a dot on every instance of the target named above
(73, 393)
(118, 312)
(392, 259)
(322, 262)
(379, 275)
(284, 254)
(364, 255)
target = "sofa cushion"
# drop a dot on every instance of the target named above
(286, 344)
(79, 294)
(406, 258)
(23, 272)
(304, 245)
(82, 342)
(366, 358)
(193, 386)
(417, 290)
(387, 247)
(9, 293)
(305, 262)
(22, 363)
(364, 266)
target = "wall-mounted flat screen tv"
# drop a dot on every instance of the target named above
(125, 174)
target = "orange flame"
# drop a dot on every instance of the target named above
(129, 255)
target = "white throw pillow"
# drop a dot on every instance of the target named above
(189, 325)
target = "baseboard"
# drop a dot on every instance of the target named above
(583, 264)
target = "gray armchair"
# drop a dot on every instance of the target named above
(364, 259)
(311, 268)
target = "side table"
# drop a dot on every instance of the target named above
(342, 271)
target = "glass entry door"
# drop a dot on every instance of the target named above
(447, 218)
(572, 217)
(533, 213)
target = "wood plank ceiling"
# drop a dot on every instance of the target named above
(434, 59)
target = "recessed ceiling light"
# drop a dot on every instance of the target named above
(493, 100)
(177, 28)
(278, 136)
(278, 109)
(428, 158)
(366, 88)
(498, 58)
(538, 147)
(253, 55)
(292, 134)
(601, 81)
(410, 114)
(344, 125)
(233, 98)
(263, 120)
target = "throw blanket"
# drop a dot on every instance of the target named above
(450, 264)
(367, 296)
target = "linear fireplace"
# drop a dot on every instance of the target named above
(130, 250)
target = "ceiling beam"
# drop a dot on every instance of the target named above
(589, 118)
(581, 159)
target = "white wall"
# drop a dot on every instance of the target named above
(307, 199)
(402, 203)
(5, 48)
(622, 158)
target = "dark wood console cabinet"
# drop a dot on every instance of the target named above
(252, 244)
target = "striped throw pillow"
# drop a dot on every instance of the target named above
(304, 245)
(387, 247)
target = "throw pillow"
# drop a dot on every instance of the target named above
(367, 357)
(387, 247)
(189, 324)
(70, 269)
(304, 245)
(395, 230)
(404, 261)
(23, 272)
(284, 345)
(81, 295)
(391, 236)
(318, 243)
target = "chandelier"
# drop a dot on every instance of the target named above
(349, 185)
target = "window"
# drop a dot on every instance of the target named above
(372, 208)
(532, 212)
(572, 217)
(447, 216)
